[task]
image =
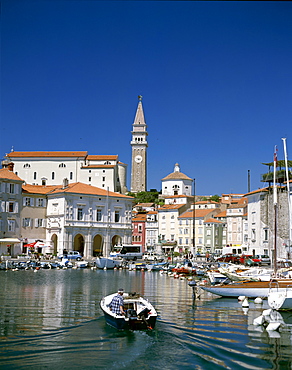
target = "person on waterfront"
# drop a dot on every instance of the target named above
(117, 303)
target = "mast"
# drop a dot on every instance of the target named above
(275, 210)
(288, 194)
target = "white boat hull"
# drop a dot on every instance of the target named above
(250, 289)
(109, 263)
(280, 300)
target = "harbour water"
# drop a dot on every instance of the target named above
(51, 319)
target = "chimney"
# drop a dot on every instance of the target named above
(65, 183)
(10, 166)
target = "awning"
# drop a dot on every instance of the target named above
(9, 240)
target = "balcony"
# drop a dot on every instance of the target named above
(280, 176)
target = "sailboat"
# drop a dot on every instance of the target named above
(255, 289)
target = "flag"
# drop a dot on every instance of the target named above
(276, 156)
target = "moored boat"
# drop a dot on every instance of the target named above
(139, 313)
(280, 299)
(250, 289)
(107, 262)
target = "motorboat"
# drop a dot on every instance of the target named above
(139, 313)
(107, 262)
(280, 299)
(157, 266)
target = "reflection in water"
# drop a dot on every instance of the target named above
(52, 319)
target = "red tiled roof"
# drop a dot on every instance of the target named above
(80, 188)
(46, 154)
(167, 207)
(38, 189)
(102, 157)
(5, 173)
(212, 220)
(99, 166)
(221, 214)
(198, 213)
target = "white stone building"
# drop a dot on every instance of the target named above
(176, 183)
(88, 219)
(51, 168)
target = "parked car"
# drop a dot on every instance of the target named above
(249, 260)
(152, 256)
(72, 255)
(264, 259)
(228, 257)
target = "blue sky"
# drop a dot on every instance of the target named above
(216, 81)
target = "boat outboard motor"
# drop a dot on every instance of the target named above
(144, 312)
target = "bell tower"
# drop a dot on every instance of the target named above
(139, 151)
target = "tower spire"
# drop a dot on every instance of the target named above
(139, 151)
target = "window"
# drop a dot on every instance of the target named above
(98, 215)
(11, 225)
(40, 202)
(62, 165)
(53, 175)
(172, 237)
(180, 241)
(89, 179)
(11, 207)
(26, 222)
(266, 235)
(11, 188)
(79, 214)
(39, 222)
(117, 216)
(34, 175)
(187, 241)
(27, 165)
(103, 178)
(71, 175)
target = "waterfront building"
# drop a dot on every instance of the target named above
(152, 232)
(236, 216)
(10, 201)
(88, 219)
(139, 151)
(34, 216)
(188, 230)
(139, 229)
(51, 168)
(261, 222)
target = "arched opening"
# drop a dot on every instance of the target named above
(79, 243)
(54, 240)
(116, 240)
(97, 246)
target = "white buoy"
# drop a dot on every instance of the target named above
(241, 298)
(258, 300)
(273, 326)
(245, 303)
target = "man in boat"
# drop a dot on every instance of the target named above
(117, 303)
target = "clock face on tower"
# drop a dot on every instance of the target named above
(138, 159)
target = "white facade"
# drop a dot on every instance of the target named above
(51, 168)
(151, 229)
(81, 217)
(176, 183)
